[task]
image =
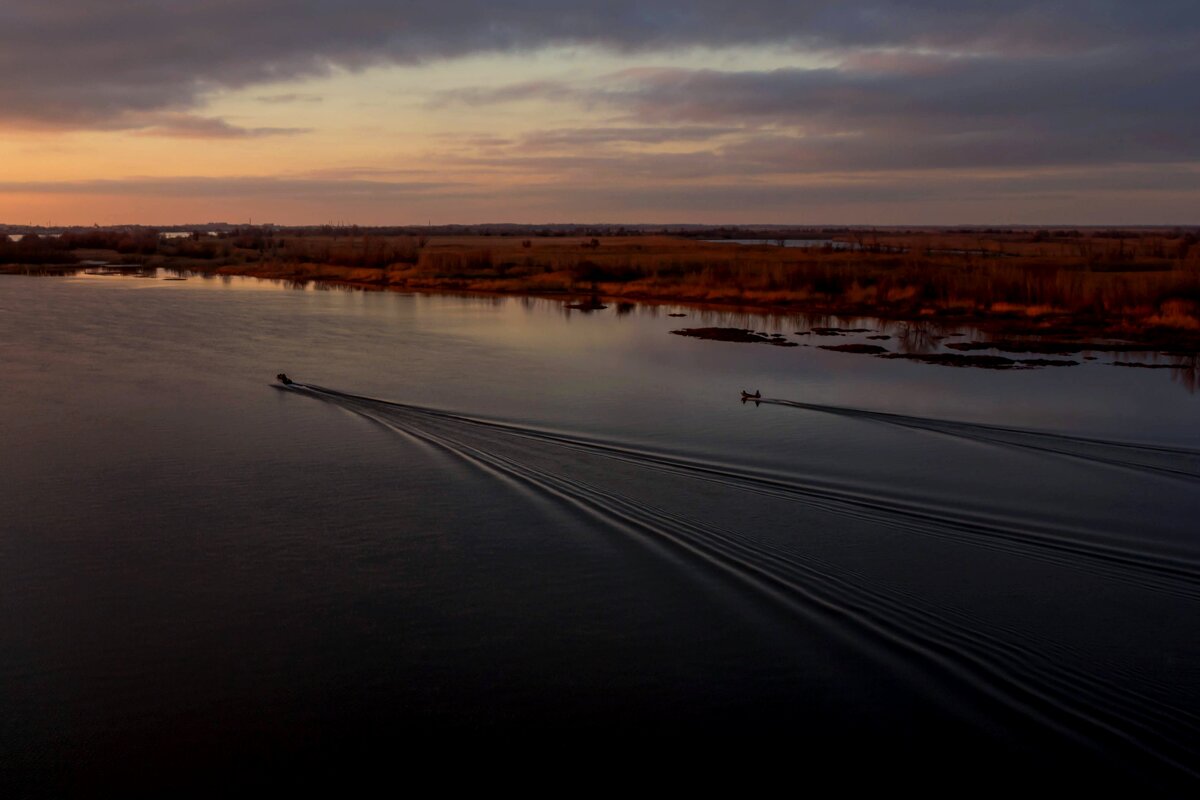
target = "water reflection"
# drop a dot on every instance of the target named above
(919, 337)
(122, 271)
(1182, 368)
(1187, 372)
(907, 337)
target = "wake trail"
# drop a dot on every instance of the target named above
(1026, 674)
(1175, 462)
(1132, 560)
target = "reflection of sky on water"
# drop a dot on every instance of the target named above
(623, 375)
(624, 333)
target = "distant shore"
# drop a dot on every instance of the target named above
(1135, 286)
(1004, 323)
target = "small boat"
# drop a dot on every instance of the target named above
(747, 396)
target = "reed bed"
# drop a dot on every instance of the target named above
(1118, 279)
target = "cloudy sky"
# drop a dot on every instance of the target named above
(774, 111)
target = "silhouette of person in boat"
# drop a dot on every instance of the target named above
(284, 379)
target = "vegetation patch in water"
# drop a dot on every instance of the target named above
(865, 349)
(1140, 365)
(986, 362)
(733, 335)
(838, 331)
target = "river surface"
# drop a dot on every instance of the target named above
(499, 523)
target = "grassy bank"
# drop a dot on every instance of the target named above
(1131, 283)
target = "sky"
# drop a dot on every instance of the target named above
(874, 112)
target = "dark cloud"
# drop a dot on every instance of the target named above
(925, 92)
(574, 138)
(79, 62)
(293, 97)
(905, 111)
(927, 105)
(776, 159)
(515, 92)
(190, 126)
(886, 186)
(235, 186)
(607, 166)
(1154, 195)
(1082, 196)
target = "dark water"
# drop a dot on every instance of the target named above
(501, 527)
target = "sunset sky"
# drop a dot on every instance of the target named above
(771, 111)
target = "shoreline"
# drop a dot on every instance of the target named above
(1082, 288)
(1050, 326)
(1007, 342)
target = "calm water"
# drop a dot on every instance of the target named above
(487, 519)
(802, 243)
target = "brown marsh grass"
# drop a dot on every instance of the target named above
(1131, 281)
(1113, 281)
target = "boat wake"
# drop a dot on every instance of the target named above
(1176, 462)
(682, 504)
